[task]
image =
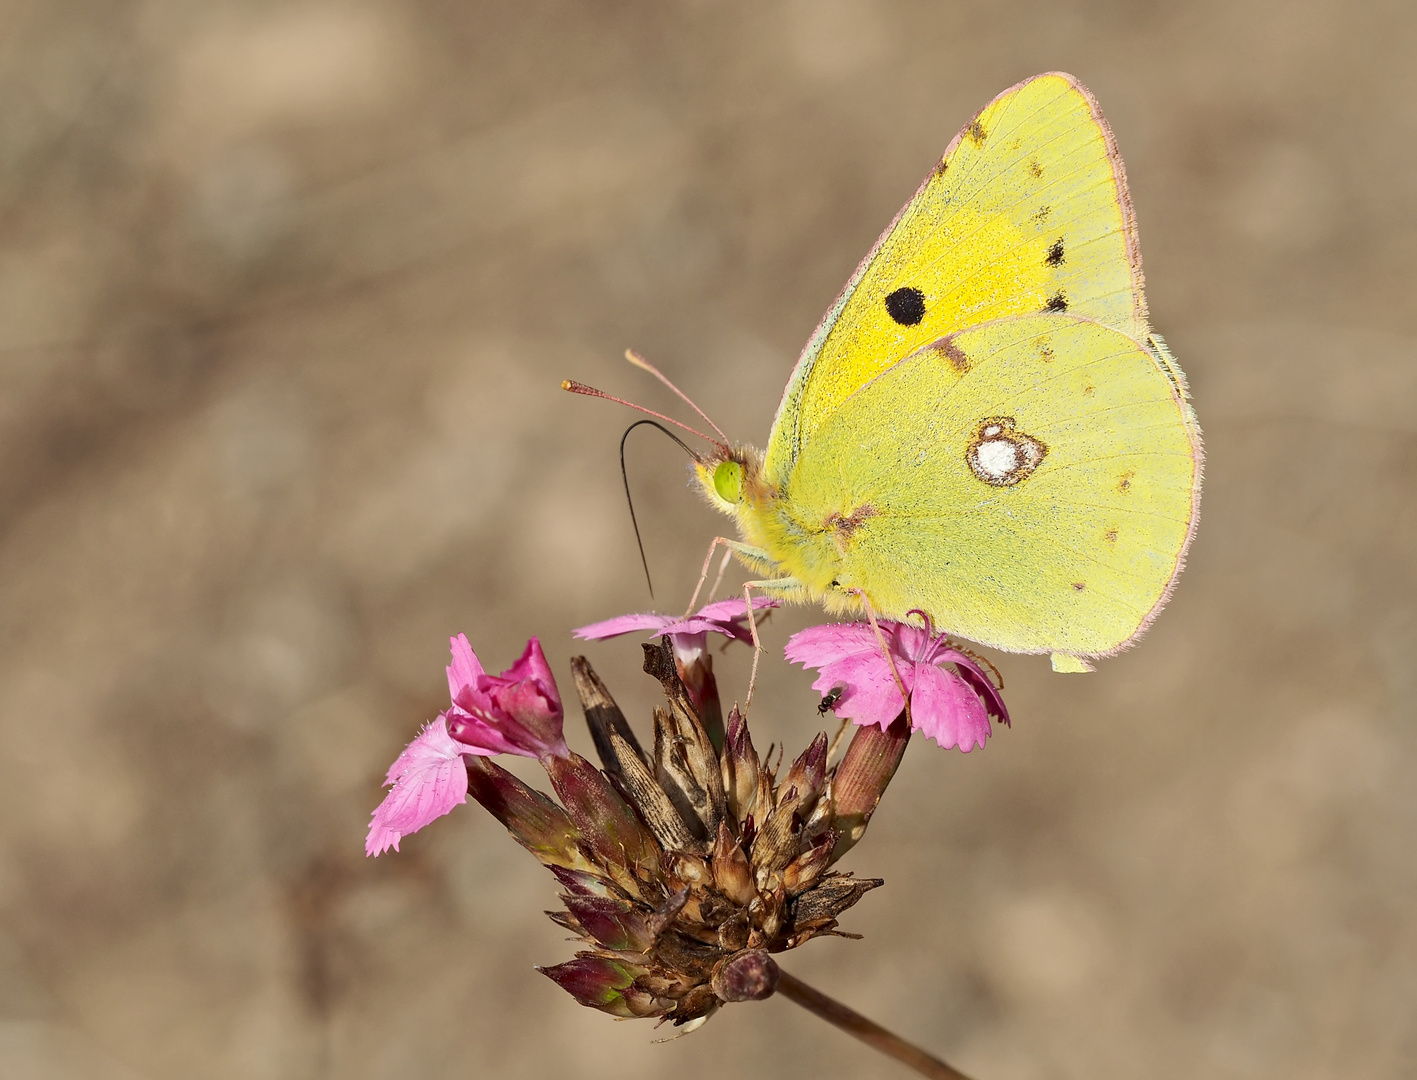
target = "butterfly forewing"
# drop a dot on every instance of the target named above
(1027, 212)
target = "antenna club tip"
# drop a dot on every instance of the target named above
(566, 384)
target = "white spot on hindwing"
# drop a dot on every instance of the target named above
(995, 459)
(1001, 456)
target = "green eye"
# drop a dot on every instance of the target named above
(728, 481)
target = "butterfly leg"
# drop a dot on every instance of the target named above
(886, 652)
(733, 547)
(718, 580)
(778, 584)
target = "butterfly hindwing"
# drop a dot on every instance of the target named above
(1040, 498)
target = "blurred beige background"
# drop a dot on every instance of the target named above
(286, 293)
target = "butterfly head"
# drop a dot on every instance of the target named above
(729, 477)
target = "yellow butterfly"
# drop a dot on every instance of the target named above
(983, 427)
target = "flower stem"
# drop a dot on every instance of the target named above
(869, 1032)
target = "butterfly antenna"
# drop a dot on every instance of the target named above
(640, 362)
(625, 476)
(590, 391)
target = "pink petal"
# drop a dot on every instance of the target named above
(871, 695)
(848, 654)
(720, 617)
(623, 624)
(733, 609)
(428, 778)
(532, 665)
(818, 645)
(688, 648)
(463, 672)
(945, 708)
(534, 718)
(695, 625)
(477, 735)
(951, 708)
(978, 681)
(910, 642)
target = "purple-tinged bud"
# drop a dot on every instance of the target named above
(866, 768)
(750, 975)
(807, 775)
(740, 768)
(534, 821)
(779, 839)
(622, 926)
(600, 982)
(579, 883)
(802, 872)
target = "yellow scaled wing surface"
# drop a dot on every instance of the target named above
(1026, 212)
(1029, 483)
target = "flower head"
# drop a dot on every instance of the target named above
(684, 866)
(517, 712)
(950, 704)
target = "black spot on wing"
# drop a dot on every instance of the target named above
(1055, 253)
(1056, 302)
(977, 133)
(906, 306)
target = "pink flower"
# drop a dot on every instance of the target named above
(688, 635)
(428, 779)
(951, 705)
(517, 712)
